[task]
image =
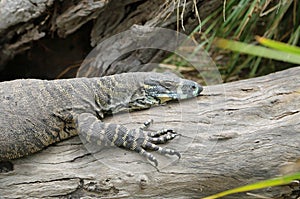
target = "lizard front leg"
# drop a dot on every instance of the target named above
(95, 132)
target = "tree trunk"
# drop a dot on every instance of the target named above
(34, 36)
(234, 134)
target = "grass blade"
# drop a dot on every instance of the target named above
(257, 51)
(259, 185)
(283, 47)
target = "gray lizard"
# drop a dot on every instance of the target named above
(37, 113)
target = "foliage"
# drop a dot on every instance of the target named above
(242, 20)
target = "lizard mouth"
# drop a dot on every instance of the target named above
(163, 98)
(152, 100)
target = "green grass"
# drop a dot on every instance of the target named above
(242, 21)
(259, 185)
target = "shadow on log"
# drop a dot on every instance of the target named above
(234, 134)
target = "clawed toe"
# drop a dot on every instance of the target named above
(147, 155)
(162, 139)
(163, 151)
(146, 124)
(161, 132)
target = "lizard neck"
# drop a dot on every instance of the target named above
(112, 94)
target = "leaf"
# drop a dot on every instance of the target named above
(258, 51)
(283, 47)
(259, 185)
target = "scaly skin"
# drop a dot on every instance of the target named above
(37, 113)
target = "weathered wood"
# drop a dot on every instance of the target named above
(34, 29)
(25, 21)
(234, 134)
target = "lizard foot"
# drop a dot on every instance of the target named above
(140, 140)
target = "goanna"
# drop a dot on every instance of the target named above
(36, 113)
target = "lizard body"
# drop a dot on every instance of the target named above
(37, 113)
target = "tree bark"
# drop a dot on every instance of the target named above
(233, 134)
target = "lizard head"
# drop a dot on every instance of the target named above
(158, 88)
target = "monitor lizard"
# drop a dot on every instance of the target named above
(37, 113)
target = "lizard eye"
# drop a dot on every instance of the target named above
(168, 84)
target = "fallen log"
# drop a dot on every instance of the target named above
(234, 134)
